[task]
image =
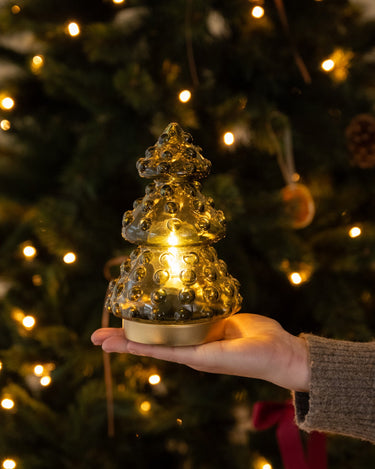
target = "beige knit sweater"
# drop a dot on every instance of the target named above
(342, 391)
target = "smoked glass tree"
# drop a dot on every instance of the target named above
(173, 289)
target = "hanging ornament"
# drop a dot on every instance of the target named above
(360, 137)
(298, 202)
(173, 289)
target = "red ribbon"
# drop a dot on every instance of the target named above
(267, 414)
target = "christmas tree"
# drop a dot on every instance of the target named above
(280, 95)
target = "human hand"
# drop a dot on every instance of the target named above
(253, 346)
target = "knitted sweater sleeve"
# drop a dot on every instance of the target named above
(342, 389)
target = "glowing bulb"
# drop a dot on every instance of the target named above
(7, 103)
(38, 370)
(69, 258)
(179, 421)
(154, 379)
(257, 12)
(355, 231)
(184, 96)
(28, 322)
(295, 278)
(15, 9)
(38, 60)
(228, 138)
(29, 251)
(118, 1)
(5, 125)
(1, 365)
(328, 65)
(45, 380)
(9, 464)
(73, 29)
(7, 403)
(145, 406)
(267, 466)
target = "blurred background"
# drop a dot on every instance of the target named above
(280, 96)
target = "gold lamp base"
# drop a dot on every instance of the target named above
(173, 334)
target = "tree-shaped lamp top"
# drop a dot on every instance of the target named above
(173, 288)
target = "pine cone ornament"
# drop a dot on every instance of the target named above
(360, 135)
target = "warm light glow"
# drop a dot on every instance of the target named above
(257, 12)
(5, 124)
(172, 240)
(38, 370)
(355, 231)
(37, 63)
(295, 278)
(28, 322)
(9, 464)
(228, 138)
(29, 251)
(7, 403)
(69, 258)
(145, 406)
(15, 9)
(7, 103)
(184, 96)
(118, 1)
(73, 29)
(267, 466)
(296, 177)
(1, 365)
(328, 65)
(154, 379)
(45, 380)
(179, 421)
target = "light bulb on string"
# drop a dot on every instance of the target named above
(38, 370)
(45, 380)
(328, 65)
(69, 258)
(7, 403)
(262, 463)
(154, 379)
(118, 2)
(28, 322)
(145, 406)
(228, 138)
(257, 12)
(7, 103)
(1, 365)
(184, 96)
(9, 464)
(15, 9)
(355, 231)
(37, 63)
(73, 29)
(5, 125)
(29, 251)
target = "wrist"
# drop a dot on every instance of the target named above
(301, 366)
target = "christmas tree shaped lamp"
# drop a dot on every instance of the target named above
(173, 289)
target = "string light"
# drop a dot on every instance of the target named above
(117, 2)
(69, 258)
(184, 96)
(7, 103)
(37, 63)
(154, 379)
(28, 322)
(7, 403)
(355, 231)
(257, 12)
(73, 29)
(45, 380)
(179, 421)
(228, 138)
(9, 464)
(145, 406)
(328, 65)
(262, 463)
(295, 278)
(29, 251)
(1, 365)
(37, 280)
(38, 370)
(5, 125)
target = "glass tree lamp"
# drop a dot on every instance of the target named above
(173, 289)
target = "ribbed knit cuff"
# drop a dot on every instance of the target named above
(342, 389)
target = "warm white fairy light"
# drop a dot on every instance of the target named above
(38, 370)
(9, 464)
(228, 138)
(45, 380)
(184, 96)
(29, 251)
(5, 125)
(257, 12)
(7, 103)
(154, 379)
(37, 63)
(295, 278)
(267, 466)
(145, 406)
(73, 29)
(7, 403)
(355, 231)
(117, 2)
(1, 365)
(262, 463)
(28, 322)
(328, 65)
(15, 9)
(69, 258)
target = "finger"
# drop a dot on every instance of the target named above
(100, 335)
(115, 343)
